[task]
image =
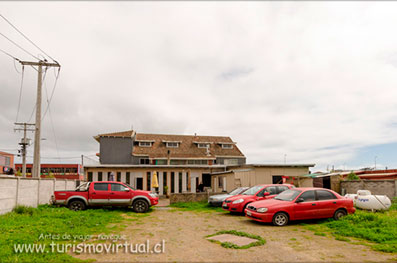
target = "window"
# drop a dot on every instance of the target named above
(227, 146)
(220, 181)
(164, 179)
(144, 161)
(161, 162)
(308, 196)
(325, 195)
(180, 182)
(271, 189)
(118, 177)
(145, 144)
(8, 161)
(172, 144)
(101, 187)
(118, 187)
(172, 182)
(282, 188)
(100, 176)
(178, 162)
(89, 176)
(127, 177)
(203, 145)
(198, 162)
(230, 161)
(148, 181)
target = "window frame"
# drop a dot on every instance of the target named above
(167, 144)
(227, 146)
(145, 144)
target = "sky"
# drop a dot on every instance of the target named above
(305, 82)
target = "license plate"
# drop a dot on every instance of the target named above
(248, 213)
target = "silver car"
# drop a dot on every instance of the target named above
(217, 200)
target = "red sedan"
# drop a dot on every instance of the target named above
(238, 203)
(300, 204)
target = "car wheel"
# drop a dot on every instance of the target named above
(140, 206)
(339, 214)
(280, 219)
(76, 205)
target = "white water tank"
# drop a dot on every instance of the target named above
(365, 200)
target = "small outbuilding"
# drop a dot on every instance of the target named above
(254, 174)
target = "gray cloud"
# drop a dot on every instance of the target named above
(302, 79)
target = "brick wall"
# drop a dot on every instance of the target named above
(377, 187)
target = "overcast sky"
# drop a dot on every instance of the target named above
(314, 81)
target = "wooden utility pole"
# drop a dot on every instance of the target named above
(37, 137)
(24, 142)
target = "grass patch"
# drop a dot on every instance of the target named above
(261, 241)
(46, 224)
(378, 228)
(320, 234)
(197, 207)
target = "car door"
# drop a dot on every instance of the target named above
(307, 209)
(327, 203)
(119, 194)
(99, 194)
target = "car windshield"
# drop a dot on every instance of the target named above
(253, 190)
(235, 191)
(288, 195)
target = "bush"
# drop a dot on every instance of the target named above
(22, 209)
(352, 176)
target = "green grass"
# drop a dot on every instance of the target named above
(197, 207)
(261, 241)
(27, 225)
(379, 228)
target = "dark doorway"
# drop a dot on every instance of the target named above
(197, 183)
(277, 179)
(327, 182)
(207, 180)
(139, 183)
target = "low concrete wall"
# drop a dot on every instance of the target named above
(191, 197)
(29, 191)
(377, 187)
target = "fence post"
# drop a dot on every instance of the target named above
(38, 191)
(17, 192)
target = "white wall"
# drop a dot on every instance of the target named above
(30, 192)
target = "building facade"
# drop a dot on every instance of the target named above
(180, 162)
(6, 163)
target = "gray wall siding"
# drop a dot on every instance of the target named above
(116, 150)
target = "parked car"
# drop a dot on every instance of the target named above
(105, 194)
(300, 204)
(217, 200)
(259, 192)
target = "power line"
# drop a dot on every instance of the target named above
(19, 46)
(52, 93)
(20, 93)
(27, 38)
(8, 54)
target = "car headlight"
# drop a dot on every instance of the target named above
(153, 195)
(238, 201)
(262, 210)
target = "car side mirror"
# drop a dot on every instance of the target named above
(127, 190)
(266, 193)
(300, 200)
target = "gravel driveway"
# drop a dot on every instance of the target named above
(184, 234)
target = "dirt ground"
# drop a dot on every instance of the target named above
(184, 234)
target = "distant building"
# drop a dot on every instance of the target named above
(6, 163)
(59, 171)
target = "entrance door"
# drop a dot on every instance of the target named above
(207, 180)
(139, 183)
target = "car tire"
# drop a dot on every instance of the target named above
(140, 206)
(280, 219)
(339, 214)
(76, 205)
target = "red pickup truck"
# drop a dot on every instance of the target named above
(105, 194)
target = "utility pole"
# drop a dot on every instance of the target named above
(24, 142)
(36, 155)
